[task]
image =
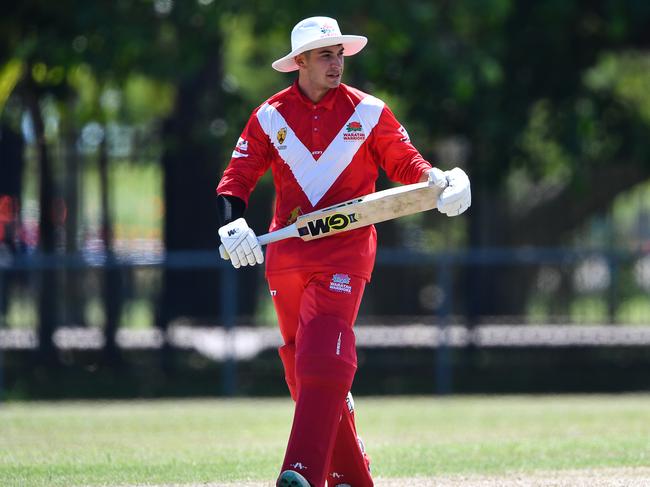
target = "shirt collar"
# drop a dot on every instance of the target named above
(327, 102)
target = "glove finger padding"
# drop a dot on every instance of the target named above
(222, 252)
(234, 259)
(259, 255)
(454, 209)
(457, 197)
(248, 251)
(256, 250)
(241, 255)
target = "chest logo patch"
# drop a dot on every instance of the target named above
(354, 131)
(354, 127)
(282, 135)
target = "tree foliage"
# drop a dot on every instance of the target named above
(546, 104)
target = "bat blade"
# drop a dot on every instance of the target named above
(359, 212)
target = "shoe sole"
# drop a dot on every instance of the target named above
(289, 478)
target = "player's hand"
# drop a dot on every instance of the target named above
(240, 244)
(456, 196)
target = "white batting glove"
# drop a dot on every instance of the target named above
(240, 244)
(222, 252)
(457, 195)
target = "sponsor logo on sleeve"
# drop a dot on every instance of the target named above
(241, 148)
(405, 134)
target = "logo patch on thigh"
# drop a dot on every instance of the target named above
(341, 283)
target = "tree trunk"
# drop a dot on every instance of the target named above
(112, 277)
(74, 292)
(11, 169)
(47, 227)
(190, 173)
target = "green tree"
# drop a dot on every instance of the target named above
(545, 104)
(527, 93)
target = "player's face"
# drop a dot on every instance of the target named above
(323, 67)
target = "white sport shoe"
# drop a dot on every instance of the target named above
(289, 478)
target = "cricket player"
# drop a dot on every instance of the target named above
(325, 142)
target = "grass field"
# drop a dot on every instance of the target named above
(544, 440)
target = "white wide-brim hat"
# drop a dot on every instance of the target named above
(313, 33)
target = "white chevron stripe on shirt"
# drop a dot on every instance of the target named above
(317, 177)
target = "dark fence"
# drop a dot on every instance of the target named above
(465, 321)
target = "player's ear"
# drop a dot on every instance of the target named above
(300, 60)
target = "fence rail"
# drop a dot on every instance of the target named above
(607, 280)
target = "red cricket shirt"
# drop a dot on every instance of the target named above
(321, 154)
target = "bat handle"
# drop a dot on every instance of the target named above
(281, 234)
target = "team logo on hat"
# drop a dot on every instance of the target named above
(329, 30)
(281, 135)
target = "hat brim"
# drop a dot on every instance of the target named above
(351, 46)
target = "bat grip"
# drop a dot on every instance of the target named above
(281, 234)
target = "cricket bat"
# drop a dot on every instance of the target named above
(359, 212)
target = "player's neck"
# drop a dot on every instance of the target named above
(314, 92)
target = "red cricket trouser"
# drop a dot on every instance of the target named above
(316, 314)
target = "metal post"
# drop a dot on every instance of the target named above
(228, 291)
(612, 291)
(443, 356)
(2, 324)
(613, 264)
